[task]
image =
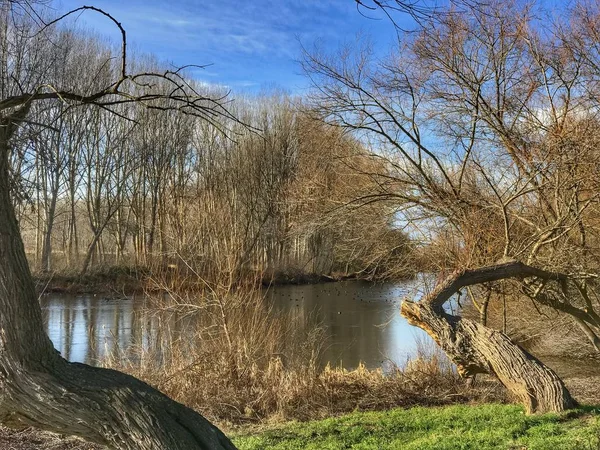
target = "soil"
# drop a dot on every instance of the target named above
(32, 439)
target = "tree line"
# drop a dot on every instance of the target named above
(267, 189)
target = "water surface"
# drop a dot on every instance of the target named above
(361, 321)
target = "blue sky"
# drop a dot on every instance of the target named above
(252, 45)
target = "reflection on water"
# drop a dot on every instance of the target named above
(87, 328)
(361, 320)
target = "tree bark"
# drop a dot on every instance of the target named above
(40, 388)
(475, 348)
(46, 263)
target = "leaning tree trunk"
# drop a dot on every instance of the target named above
(40, 388)
(475, 348)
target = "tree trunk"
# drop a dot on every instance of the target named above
(475, 348)
(40, 388)
(73, 238)
(90, 253)
(46, 263)
(102, 406)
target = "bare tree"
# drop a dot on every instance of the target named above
(484, 121)
(39, 387)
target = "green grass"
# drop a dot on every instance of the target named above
(452, 428)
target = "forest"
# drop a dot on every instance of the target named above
(270, 188)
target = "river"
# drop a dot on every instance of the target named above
(361, 321)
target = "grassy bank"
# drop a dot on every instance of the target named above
(250, 363)
(452, 427)
(482, 427)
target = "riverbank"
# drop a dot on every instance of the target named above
(464, 423)
(481, 427)
(112, 281)
(129, 280)
(275, 386)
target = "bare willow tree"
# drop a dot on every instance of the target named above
(483, 115)
(38, 386)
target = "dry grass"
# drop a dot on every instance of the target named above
(249, 364)
(275, 393)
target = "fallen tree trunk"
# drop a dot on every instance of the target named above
(475, 348)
